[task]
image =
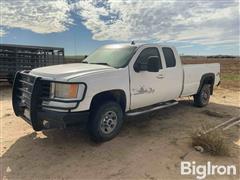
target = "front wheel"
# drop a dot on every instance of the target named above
(201, 99)
(105, 121)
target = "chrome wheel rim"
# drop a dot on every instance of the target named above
(108, 122)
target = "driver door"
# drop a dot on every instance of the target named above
(146, 87)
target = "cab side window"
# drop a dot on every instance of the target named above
(169, 57)
(146, 54)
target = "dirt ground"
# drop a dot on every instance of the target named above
(149, 147)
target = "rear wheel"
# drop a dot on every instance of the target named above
(105, 121)
(201, 99)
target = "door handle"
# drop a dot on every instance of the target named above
(160, 76)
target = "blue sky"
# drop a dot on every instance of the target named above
(77, 40)
(194, 27)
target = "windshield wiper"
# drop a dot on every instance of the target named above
(84, 62)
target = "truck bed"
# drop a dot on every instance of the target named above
(193, 74)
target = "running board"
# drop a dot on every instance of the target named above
(151, 108)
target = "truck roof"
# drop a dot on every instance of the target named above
(122, 45)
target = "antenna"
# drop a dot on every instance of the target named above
(132, 43)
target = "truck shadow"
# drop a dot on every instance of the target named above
(49, 154)
(5, 86)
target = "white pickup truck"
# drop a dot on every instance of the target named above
(114, 81)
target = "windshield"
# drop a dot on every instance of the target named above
(116, 57)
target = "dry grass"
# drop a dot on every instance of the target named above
(213, 142)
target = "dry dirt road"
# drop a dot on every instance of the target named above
(148, 147)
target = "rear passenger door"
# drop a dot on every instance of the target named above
(173, 73)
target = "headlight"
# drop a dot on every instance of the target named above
(66, 91)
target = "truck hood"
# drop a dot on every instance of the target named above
(68, 71)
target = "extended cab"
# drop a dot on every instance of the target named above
(114, 81)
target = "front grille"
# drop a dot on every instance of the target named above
(28, 92)
(45, 89)
(31, 97)
(25, 88)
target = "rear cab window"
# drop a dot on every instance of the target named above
(169, 57)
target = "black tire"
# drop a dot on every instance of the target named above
(201, 99)
(105, 121)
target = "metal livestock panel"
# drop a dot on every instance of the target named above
(15, 58)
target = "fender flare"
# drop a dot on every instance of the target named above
(204, 78)
(112, 94)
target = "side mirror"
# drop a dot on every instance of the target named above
(153, 64)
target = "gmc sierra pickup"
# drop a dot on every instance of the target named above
(114, 81)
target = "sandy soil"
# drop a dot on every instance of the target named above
(149, 147)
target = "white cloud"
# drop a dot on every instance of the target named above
(198, 22)
(40, 16)
(201, 22)
(184, 46)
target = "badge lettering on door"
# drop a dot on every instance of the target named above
(143, 90)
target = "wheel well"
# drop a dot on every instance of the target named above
(114, 95)
(207, 79)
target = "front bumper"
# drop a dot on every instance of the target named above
(53, 119)
(29, 93)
